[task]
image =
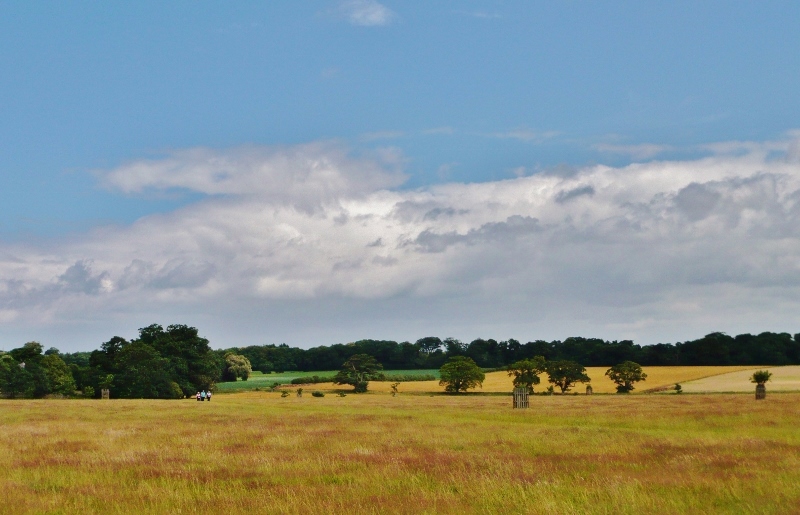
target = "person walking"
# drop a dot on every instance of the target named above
(208, 396)
(198, 396)
(202, 395)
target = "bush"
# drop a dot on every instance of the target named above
(341, 394)
(88, 391)
(317, 393)
(284, 393)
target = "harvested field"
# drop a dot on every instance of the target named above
(373, 453)
(498, 382)
(784, 379)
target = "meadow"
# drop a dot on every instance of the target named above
(374, 453)
(500, 382)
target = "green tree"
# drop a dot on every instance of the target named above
(760, 377)
(459, 374)
(565, 374)
(236, 366)
(15, 381)
(58, 374)
(625, 374)
(526, 372)
(358, 371)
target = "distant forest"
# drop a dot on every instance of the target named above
(432, 352)
(176, 362)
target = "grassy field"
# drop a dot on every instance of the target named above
(374, 453)
(500, 382)
(784, 379)
(261, 381)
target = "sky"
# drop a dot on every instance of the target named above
(325, 171)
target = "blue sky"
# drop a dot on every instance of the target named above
(425, 95)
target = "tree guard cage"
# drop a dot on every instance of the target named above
(520, 397)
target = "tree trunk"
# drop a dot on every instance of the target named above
(761, 392)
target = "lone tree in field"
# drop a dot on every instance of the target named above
(236, 366)
(566, 374)
(358, 371)
(526, 372)
(625, 374)
(760, 377)
(459, 374)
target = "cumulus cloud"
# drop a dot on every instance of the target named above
(631, 251)
(367, 13)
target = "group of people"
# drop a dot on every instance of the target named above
(203, 395)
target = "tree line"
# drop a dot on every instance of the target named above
(432, 352)
(175, 362)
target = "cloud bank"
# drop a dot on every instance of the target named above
(313, 245)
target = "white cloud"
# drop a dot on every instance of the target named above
(311, 242)
(367, 13)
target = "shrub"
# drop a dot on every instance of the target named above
(341, 394)
(761, 376)
(317, 393)
(284, 393)
(88, 391)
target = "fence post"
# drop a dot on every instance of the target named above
(106, 393)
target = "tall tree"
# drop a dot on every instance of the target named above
(460, 374)
(565, 374)
(625, 374)
(358, 371)
(526, 372)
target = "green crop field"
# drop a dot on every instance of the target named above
(261, 381)
(373, 453)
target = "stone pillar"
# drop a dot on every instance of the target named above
(589, 390)
(106, 393)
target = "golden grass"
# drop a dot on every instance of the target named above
(783, 379)
(497, 382)
(374, 453)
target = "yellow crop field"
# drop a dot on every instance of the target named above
(373, 453)
(500, 381)
(783, 379)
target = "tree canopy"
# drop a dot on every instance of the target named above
(460, 374)
(625, 374)
(526, 372)
(358, 371)
(565, 374)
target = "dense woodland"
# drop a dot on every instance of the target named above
(176, 362)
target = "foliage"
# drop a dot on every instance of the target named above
(284, 393)
(526, 372)
(394, 386)
(317, 393)
(88, 391)
(15, 381)
(678, 388)
(358, 371)
(565, 374)
(459, 374)
(59, 375)
(625, 374)
(761, 376)
(299, 392)
(236, 366)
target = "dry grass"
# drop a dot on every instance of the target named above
(374, 453)
(497, 382)
(784, 379)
